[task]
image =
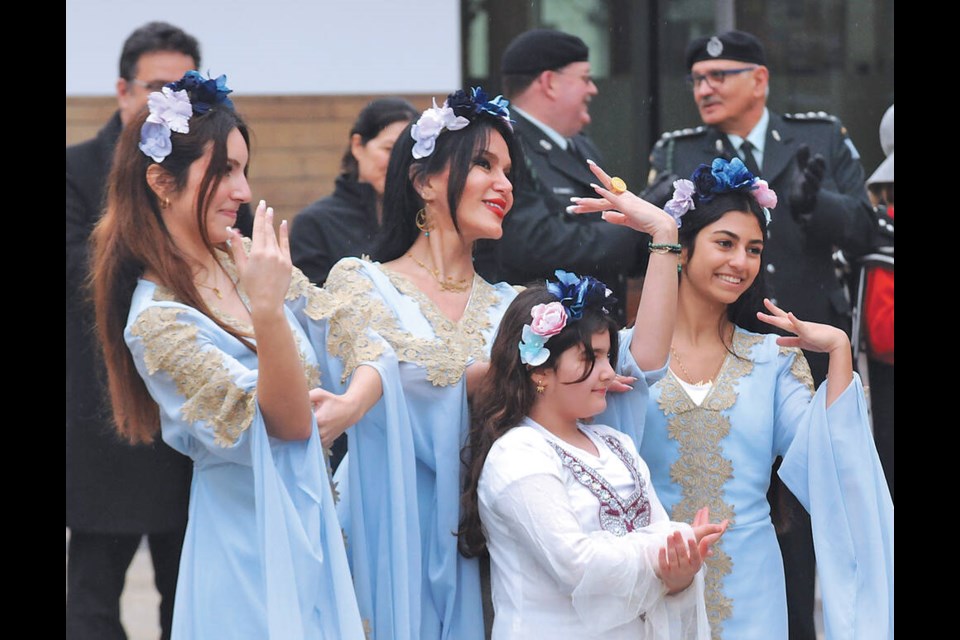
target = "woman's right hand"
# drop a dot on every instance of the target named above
(266, 270)
(706, 533)
(626, 208)
(334, 414)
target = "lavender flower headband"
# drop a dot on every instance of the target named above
(720, 177)
(574, 294)
(172, 107)
(458, 110)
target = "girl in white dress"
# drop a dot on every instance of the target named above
(579, 544)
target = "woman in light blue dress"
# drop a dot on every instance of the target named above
(404, 335)
(202, 346)
(736, 398)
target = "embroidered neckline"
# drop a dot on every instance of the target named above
(618, 516)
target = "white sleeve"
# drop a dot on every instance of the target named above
(611, 579)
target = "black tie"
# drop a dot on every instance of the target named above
(748, 158)
(572, 150)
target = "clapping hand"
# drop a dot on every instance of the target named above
(806, 184)
(680, 560)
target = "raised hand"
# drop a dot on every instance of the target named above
(624, 207)
(707, 533)
(265, 272)
(806, 183)
(678, 562)
(812, 336)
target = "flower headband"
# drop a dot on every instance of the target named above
(458, 110)
(575, 294)
(720, 177)
(171, 109)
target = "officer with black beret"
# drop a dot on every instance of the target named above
(546, 77)
(812, 165)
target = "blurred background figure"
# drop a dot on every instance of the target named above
(547, 78)
(345, 223)
(876, 303)
(116, 492)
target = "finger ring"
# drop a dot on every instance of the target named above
(617, 185)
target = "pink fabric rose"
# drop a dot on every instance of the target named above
(766, 197)
(548, 319)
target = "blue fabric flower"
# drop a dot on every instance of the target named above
(155, 140)
(532, 351)
(576, 293)
(204, 93)
(731, 176)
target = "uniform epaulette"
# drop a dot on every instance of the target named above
(812, 116)
(680, 133)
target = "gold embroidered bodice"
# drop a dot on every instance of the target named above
(701, 470)
(361, 324)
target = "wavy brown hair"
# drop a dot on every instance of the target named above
(132, 238)
(507, 393)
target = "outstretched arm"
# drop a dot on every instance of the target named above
(658, 300)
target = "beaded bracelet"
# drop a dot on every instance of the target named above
(664, 248)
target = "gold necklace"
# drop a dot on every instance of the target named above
(215, 290)
(446, 284)
(689, 378)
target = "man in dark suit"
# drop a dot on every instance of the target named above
(546, 77)
(115, 492)
(815, 170)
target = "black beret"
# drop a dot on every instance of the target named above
(540, 50)
(732, 45)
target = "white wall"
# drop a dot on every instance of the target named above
(281, 46)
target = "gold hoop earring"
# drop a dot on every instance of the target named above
(540, 386)
(422, 222)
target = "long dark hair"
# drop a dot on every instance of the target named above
(506, 393)
(458, 149)
(374, 118)
(132, 238)
(742, 312)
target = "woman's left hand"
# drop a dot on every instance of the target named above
(265, 272)
(812, 336)
(334, 414)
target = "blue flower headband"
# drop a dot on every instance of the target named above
(458, 110)
(171, 109)
(574, 294)
(720, 177)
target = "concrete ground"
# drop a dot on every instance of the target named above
(140, 601)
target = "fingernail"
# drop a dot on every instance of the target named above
(589, 161)
(263, 203)
(283, 223)
(571, 208)
(574, 199)
(594, 186)
(229, 230)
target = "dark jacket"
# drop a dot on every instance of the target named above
(539, 236)
(344, 224)
(112, 487)
(798, 256)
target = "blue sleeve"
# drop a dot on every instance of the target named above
(833, 468)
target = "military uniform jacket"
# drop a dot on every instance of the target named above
(539, 236)
(798, 262)
(112, 487)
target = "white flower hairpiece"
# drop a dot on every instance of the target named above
(431, 124)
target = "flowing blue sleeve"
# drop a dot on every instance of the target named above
(832, 467)
(204, 381)
(627, 411)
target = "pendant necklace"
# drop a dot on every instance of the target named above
(446, 284)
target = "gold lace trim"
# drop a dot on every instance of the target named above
(701, 471)
(199, 374)
(800, 368)
(355, 308)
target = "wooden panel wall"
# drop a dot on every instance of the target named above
(297, 141)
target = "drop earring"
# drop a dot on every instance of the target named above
(540, 386)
